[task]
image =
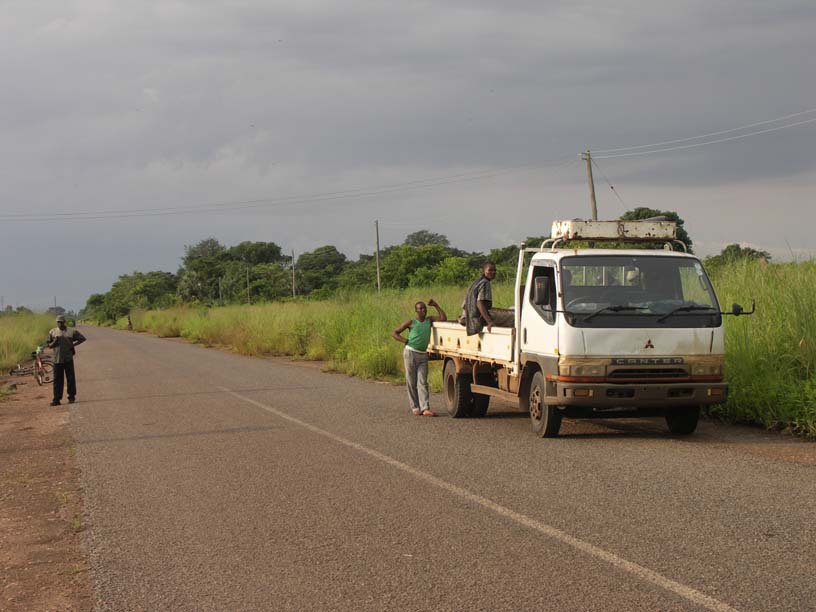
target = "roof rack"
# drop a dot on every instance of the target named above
(655, 229)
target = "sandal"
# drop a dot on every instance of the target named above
(416, 412)
(428, 413)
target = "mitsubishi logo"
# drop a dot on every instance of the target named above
(649, 344)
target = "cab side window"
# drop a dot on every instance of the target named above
(547, 310)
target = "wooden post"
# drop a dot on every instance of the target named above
(294, 291)
(377, 233)
(588, 158)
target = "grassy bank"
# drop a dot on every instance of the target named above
(771, 356)
(19, 335)
(350, 333)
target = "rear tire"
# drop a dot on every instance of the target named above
(546, 420)
(458, 398)
(480, 403)
(683, 421)
(478, 408)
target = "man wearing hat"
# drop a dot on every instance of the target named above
(63, 341)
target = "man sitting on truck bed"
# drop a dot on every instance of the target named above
(477, 309)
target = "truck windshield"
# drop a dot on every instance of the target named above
(637, 291)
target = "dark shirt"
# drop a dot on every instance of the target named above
(63, 342)
(479, 291)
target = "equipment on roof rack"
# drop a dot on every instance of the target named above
(656, 229)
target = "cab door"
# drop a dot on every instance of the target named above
(539, 329)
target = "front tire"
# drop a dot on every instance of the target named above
(683, 421)
(44, 373)
(47, 372)
(458, 397)
(546, 420)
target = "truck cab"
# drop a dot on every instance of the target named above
(599, 333)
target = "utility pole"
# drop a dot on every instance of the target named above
(55, 303)
(220, 294)
(294, 291)
(377, 232)
(587, 156)
(248, 301)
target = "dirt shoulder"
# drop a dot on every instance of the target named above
(43, 562)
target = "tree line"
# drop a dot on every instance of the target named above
(214, 274)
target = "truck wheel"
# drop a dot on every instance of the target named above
(480, 402)
(458, 397)
(478, 408)
(683, 421)
(546, 420)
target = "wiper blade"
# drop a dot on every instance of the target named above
(689, 308)
(618, 308)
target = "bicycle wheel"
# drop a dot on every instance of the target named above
(47, 372)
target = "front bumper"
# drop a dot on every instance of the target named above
(611, 396)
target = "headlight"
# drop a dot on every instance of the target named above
(706, 369)
(582, 370)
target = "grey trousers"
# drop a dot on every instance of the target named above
(416, 378)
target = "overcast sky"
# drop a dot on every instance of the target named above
(128, 106)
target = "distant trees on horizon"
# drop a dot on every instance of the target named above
(212, 273)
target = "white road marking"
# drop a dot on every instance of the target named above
(620, 563)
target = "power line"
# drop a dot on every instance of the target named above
(708, 142)
(247, 205)
(608, 182)
(709, 134)
(402, 223)
(194, 207)
(268, 202)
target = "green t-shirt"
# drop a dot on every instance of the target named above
(420, 335)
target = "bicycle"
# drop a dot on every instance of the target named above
(42, 368)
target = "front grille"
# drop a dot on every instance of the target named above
(647, 374)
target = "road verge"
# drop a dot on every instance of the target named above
(43, 561)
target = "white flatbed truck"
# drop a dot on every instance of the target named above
(599, 333)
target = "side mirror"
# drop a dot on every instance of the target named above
(736, 310)
(541, 290)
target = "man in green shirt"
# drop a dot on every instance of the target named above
(63, 341)
(415, 356)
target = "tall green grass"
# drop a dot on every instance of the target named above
(770, 356)
(350, 332)
(19, 336)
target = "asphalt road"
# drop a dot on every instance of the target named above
(214, 481)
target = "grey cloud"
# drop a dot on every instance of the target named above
(382, 83)
(133, 105)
